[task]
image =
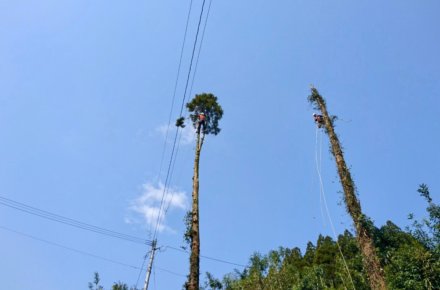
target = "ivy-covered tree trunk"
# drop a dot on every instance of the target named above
(363, 234)
(194, 272)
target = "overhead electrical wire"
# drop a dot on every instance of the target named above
(168, 176)
(171, 164)
(69, 248)
(175, 86)
(190, 92)
(84, 253)
(141, 269)
(85, 226)
(192, 57)
(170, 272)
(33, 210)
(206, 257)
(200, 46)
(71, 222)
(171, 112)
(154, 277)
(172, 172)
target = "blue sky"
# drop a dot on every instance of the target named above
(86, 90)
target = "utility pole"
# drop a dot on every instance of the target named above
(150, 264)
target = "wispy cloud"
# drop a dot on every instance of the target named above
(148, 205)
(188, 133)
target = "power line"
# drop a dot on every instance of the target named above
(200, 46)
(170, 272)
(71, 222)
(175, 86)
(84, 253)
(173, 151)
(207, 257)
(69, 248)
(191, 88)
(192, 57)
(64, 220)
(141, 269)
(168, 176)
(170, 170)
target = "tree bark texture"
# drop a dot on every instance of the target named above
(193, 283)
(370, 259)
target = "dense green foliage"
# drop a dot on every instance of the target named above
(411, 260)
(205, 103)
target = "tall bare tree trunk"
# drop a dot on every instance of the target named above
(194, 272)
(370, 259)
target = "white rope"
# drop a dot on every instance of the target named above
(322, 194)
(319, 167)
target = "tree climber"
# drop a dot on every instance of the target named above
(201, 122)
(319, 120)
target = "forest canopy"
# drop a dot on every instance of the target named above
(410, 258)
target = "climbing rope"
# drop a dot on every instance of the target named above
(324, 200)
(319, 168)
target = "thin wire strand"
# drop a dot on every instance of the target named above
(174, 93)
(192, 57)
(165, 186)
(154, 277)
(141, 269)
(170, 272)
(207, 257)
(170, 169)
(69, 248)
(84, 253)
(181, 111)
(172, 173)
(191, 88)
(175, 87)
(68, 221)
(172, 195)
(330, 218)
(200, 46)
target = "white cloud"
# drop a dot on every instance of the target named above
(162, 129)
(148, 205)
(188, 133)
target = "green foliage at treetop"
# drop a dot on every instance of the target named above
(205, 103)
(410, 259)
(116, 286)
